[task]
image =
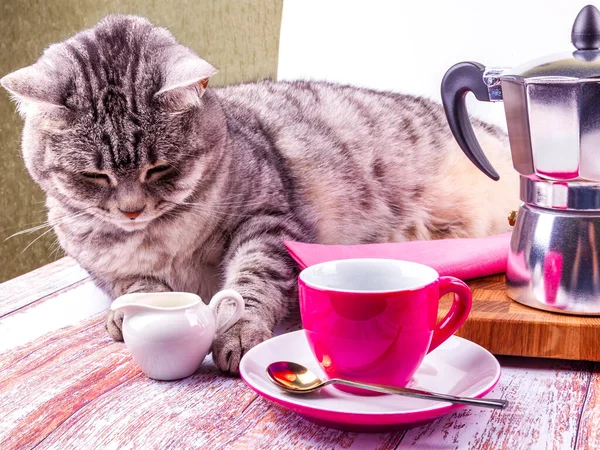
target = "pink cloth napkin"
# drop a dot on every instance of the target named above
(460, 258)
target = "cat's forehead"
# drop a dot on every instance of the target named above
(121, 54)
(109, 74)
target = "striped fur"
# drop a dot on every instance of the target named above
(248, 166)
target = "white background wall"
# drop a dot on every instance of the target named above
(407, 46)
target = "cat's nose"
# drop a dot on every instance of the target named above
(132, 214)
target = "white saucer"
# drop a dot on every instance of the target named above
(457, 367)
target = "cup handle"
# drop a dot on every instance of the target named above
(227, 294)
(461, 306)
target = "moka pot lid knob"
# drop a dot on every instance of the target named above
(583, 63)
(585, 34)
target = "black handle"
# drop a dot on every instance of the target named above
(461, 79)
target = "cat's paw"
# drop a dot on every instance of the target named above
(229, 348)
(114, 325)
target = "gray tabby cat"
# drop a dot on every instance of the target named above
(156, 183)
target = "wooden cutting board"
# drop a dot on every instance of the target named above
(506, 327)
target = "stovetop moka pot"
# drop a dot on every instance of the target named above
(552, 108)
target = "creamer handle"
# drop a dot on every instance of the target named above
(227, 294)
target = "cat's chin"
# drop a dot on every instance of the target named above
(133, 225)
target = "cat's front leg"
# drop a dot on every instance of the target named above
(116, 288)
(265, 275)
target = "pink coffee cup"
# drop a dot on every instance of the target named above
(374, 320)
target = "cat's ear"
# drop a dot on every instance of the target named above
(185, 77)
(32, 88)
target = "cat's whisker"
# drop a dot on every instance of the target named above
(223, 205)
(234, 202)
(37, 238)
(47, 224)
(206, 210)
(209, 212)
(202, 214)
(35, 224)
(55, 249)
(28, 230)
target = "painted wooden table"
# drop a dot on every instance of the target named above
(64, 384)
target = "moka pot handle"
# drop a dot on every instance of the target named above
(459, 80)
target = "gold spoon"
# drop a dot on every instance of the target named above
(297, 379)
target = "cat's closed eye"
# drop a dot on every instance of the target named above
(160, 171)
(97, 177)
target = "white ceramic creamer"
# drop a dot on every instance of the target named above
(170, 333)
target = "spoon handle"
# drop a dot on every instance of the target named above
(418, 393)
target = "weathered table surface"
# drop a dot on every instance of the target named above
(64, 384)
